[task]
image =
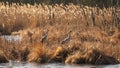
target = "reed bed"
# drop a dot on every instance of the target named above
(66, 34)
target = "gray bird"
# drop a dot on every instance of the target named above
(66, 39)
(44, 37)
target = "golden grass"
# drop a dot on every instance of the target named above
(93, 34)
(37, 53)
(17, 17)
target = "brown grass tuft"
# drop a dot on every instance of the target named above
(58, 55)
(91, 57)
(37, 53)
(73, 59)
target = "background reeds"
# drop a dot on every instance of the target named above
(99, 3)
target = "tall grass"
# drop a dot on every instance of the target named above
(18, 17)
(90, 34)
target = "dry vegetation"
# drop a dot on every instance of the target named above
(66, 34)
